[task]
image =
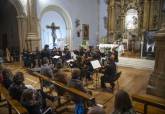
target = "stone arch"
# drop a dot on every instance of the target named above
(18, 6)
(21, 21)
(66, 18)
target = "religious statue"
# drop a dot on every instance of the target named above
(53, 27)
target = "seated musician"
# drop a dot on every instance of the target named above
(77, 84)
(115, 53)
(89, 57)
(17, 87)
(109, 73)
(37, 58)
(81, 51)
(45, 53)
(7, 78)
(89, 68)
(59, 52)
(79, 63)
(67, 54)
(26, 58)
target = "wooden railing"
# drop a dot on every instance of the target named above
(12, 103)
(87, 98)
(149, 100)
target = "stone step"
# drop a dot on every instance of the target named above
(136, 63)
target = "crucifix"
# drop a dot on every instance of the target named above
(53, 27)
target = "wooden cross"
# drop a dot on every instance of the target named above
(53, 27)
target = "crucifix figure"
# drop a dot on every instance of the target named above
(53, 27)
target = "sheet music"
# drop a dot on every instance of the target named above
(56, 57)
(70, 60)
(36, 69)
(73, 55)
(30, 86)
(95, 64)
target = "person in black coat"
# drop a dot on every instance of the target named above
(109, 73)
(7, 78)
(46, 53)
(18, 86)
(35, 101)
(26, 58)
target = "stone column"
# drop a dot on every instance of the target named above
(22, 29)
(122, 17)
(111, 19)
(156, 83)
(32, 38)
(146, 15)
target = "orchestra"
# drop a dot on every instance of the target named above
(50, 59)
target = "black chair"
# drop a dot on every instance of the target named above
(118, 74)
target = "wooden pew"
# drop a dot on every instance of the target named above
(12, 103)
(77, 92)
(149, 104)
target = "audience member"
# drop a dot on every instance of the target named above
(46, 70)
(77, 84)
(7, 78)
(35, 101)
(17, 87)
(61, 77)
(123, 104)
(96, 110)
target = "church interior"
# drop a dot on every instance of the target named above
(82, 56)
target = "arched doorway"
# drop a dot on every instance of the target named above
(46, 38)
(9, 26)
(63, 15)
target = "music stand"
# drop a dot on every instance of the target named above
(96, 65)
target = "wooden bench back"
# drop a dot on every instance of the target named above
(149, 100)
(14, 104)
(63, 86)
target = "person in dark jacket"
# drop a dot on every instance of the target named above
(30, 102)
(109, 73)
(7, 78)
(18, 86)
(35, 101)
(46, 53)
(26, 58)
(61, 77)
(76, 83)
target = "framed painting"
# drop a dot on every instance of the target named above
(85, 31)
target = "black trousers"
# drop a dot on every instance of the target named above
(107, 79)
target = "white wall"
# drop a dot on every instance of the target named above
(102, 14)
(46, 37)
(85, 10)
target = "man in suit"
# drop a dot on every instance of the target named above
(109, 73)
